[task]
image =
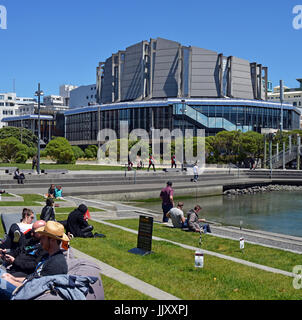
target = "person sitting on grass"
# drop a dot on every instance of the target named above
(54, 263)
(48, 212)
(59, 193)
(177, 216)
(77, 225)
(51, 192)
(18, 232)
(194, 223)
(23, 261)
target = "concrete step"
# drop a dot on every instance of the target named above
(41, 181)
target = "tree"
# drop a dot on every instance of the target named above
(28, 138)
(60, 151)
(12, 150)
(91, 152)
(252, 145)
(78, 152)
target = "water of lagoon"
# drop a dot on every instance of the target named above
(278, 212)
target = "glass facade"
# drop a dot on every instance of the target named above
(84, 126)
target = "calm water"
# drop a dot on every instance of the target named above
(279, 212)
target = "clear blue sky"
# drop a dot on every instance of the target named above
(61, 42)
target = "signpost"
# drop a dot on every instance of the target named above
(144, 240)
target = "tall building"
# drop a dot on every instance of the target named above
(10, 103)
(65, 90)
(160, 69)
(83, 96)
(161, 84)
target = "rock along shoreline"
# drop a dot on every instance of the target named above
(261, 189)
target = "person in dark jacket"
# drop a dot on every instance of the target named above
(23, 260)
(48, 212)
(77, 224)
(53, 263)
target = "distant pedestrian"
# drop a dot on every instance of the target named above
(173, 162)
(151, 163)
(35, 162)
(195, 172)
(166, 196)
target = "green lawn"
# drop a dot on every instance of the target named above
(115, 290)
(69, 209)
(29, 200)
(171, 268)
(274, 258)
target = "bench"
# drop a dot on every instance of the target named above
(54, 171)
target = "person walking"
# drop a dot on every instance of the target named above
(173, 162)
(151, 163)
(195, 172)
(166, 196)
(34, 163)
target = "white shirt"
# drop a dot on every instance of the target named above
(176, 215)
(24, 226)
(195, 169)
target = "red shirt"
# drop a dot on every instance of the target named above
(165, 194)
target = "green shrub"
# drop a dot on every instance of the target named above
(60, 151)
(78, 152)
(91, 152)
(12, 150)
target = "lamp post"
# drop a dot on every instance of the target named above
(39, 93)
(281, 100)
(184, 110)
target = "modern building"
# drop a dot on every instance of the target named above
(10, 103)
(83, 96)
(65, 90)
(161, 84)
(292, 96)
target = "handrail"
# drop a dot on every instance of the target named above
(209, 122)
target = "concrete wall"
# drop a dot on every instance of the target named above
(166, 73)
(106, 94)
(204, 73)
(82, 96)
(241, 81)
(152, 194)
(132, 77)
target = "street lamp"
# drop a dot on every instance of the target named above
(184, 111)
(281, 100)
(38, 94)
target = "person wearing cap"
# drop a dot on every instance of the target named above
(166, 196)
(177, 216)
(54, 263)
